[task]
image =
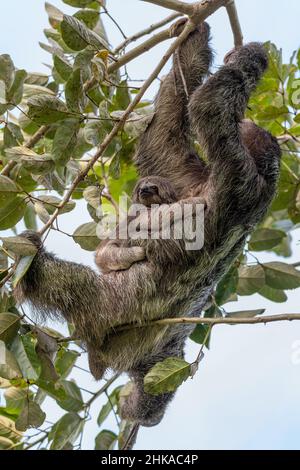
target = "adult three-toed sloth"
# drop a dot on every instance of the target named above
(238, 184)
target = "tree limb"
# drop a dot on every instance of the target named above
(181, 7)
(146, 31)
(217, 321)
(140, 49)
(198, 11)
(235, 23)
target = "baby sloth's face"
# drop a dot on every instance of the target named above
(154, 190)
(148, 193)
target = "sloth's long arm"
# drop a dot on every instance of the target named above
(165, 147)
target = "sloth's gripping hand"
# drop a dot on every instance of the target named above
(34, 237)
(111, 256)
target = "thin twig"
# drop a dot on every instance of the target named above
(114, 21)
(140, 49)
(102, 390)
(146, 31)
(38, 441)
(130, 441)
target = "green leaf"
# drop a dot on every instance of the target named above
(265, 239)
(22, 268)
(251, 280)
(46, 349)
(7, 70)
(55, 15)
(5, 443)
(8, 190)
(24, 349)
(74, 93)
(94, 132)
(12, 212)
(46, 109)
(77, 36)
(40, 79)
(15, 93)
(16, 153)
(41, 212)
(108, 407)
(30, 219)
(227, 286)
(138, 123)
(54, 390)
(199, 334)
(19, 245)
(73, 400)
(98, 69)
(4, 383)
(8, 429)
(67, 429)
(36, 90)
(281, 276)
(3, 99)
(92, 195)
(15, 398)
(9, 326)
(88, 16)
(166, 376)
(86, 236)
(122, 97)
(38, 164)
(65, 361)
(275, 295)
(9, 368)
(273, 112)
(245, 314)
(63, 67)
(105, 440)
(65, 141)
(51, 203)
(12, 135)
(31, 416)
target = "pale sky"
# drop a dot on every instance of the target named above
(246, 393)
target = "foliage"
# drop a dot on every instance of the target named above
(50, 126)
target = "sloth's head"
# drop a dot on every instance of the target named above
(154, 190)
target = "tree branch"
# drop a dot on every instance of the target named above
(217, 321)
(140, 49)
(199, 11)
(146, 31)
(235, 23)
(181, 7)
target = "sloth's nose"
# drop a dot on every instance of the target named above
(146, 191)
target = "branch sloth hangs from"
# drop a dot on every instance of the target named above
(237, 184)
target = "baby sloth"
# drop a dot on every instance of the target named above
(116, 254)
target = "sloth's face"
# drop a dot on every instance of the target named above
(148, 193)
(154, 190)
